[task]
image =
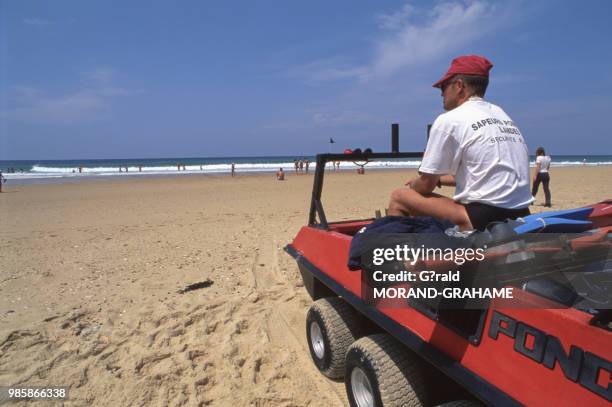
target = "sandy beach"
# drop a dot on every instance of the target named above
(92, 277)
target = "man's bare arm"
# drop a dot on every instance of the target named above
(448, 180)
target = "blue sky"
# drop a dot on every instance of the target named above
(116, 79)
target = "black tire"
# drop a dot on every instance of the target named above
(339, 326)
(396, 377)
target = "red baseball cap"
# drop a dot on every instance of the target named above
(468, 65)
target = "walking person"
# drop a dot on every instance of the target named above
(2, 180)
(541, 175)
(233, 169)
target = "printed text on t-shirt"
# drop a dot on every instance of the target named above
(491, 120)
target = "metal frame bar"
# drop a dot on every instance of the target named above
(316, 206)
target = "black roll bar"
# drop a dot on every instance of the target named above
(316, 207)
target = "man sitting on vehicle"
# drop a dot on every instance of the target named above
(475, 147)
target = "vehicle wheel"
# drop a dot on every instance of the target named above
(380, 372)
(332, 326)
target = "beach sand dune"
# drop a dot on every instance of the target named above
(93, 278)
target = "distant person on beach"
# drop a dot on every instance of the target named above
(296, 166)
(301, 163)
(306, 165)
(233, 169)
(541, 175)
(3, 180)
(280, 175)
(475, 147)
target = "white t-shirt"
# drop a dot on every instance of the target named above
(482, 147)
(544, 161)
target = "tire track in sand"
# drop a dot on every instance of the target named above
(289, 313)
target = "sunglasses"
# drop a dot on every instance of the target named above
(447, 84)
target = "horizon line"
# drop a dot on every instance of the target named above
(233, 156)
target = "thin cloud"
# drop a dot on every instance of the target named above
(414, 36)
(102, 81)
(35, 21)
(396, 20)
(102, 75)
(451, 26)
(26, 94)
(518, 78)
(70, 108)
(92, 102)
(338, 118)
(328, 69)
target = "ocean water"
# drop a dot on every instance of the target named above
(60, 170)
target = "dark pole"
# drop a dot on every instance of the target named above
(395, 138)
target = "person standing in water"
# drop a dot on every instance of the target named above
(541, 175)
(2, 180)
(233, 169)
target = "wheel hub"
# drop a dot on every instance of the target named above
(316, 337)
(361, 388)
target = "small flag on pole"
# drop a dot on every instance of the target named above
(331, 141)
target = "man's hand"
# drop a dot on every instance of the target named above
(424, 184)
(410, 181)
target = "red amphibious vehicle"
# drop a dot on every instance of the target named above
(408, 356)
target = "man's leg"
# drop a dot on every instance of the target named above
(405, 201)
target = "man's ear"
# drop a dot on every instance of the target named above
(461, 84)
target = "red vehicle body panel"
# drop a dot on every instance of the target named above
(493, 360)
(602, 213)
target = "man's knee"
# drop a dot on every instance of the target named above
(400, 201)
(400, 196)
(395, 195)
